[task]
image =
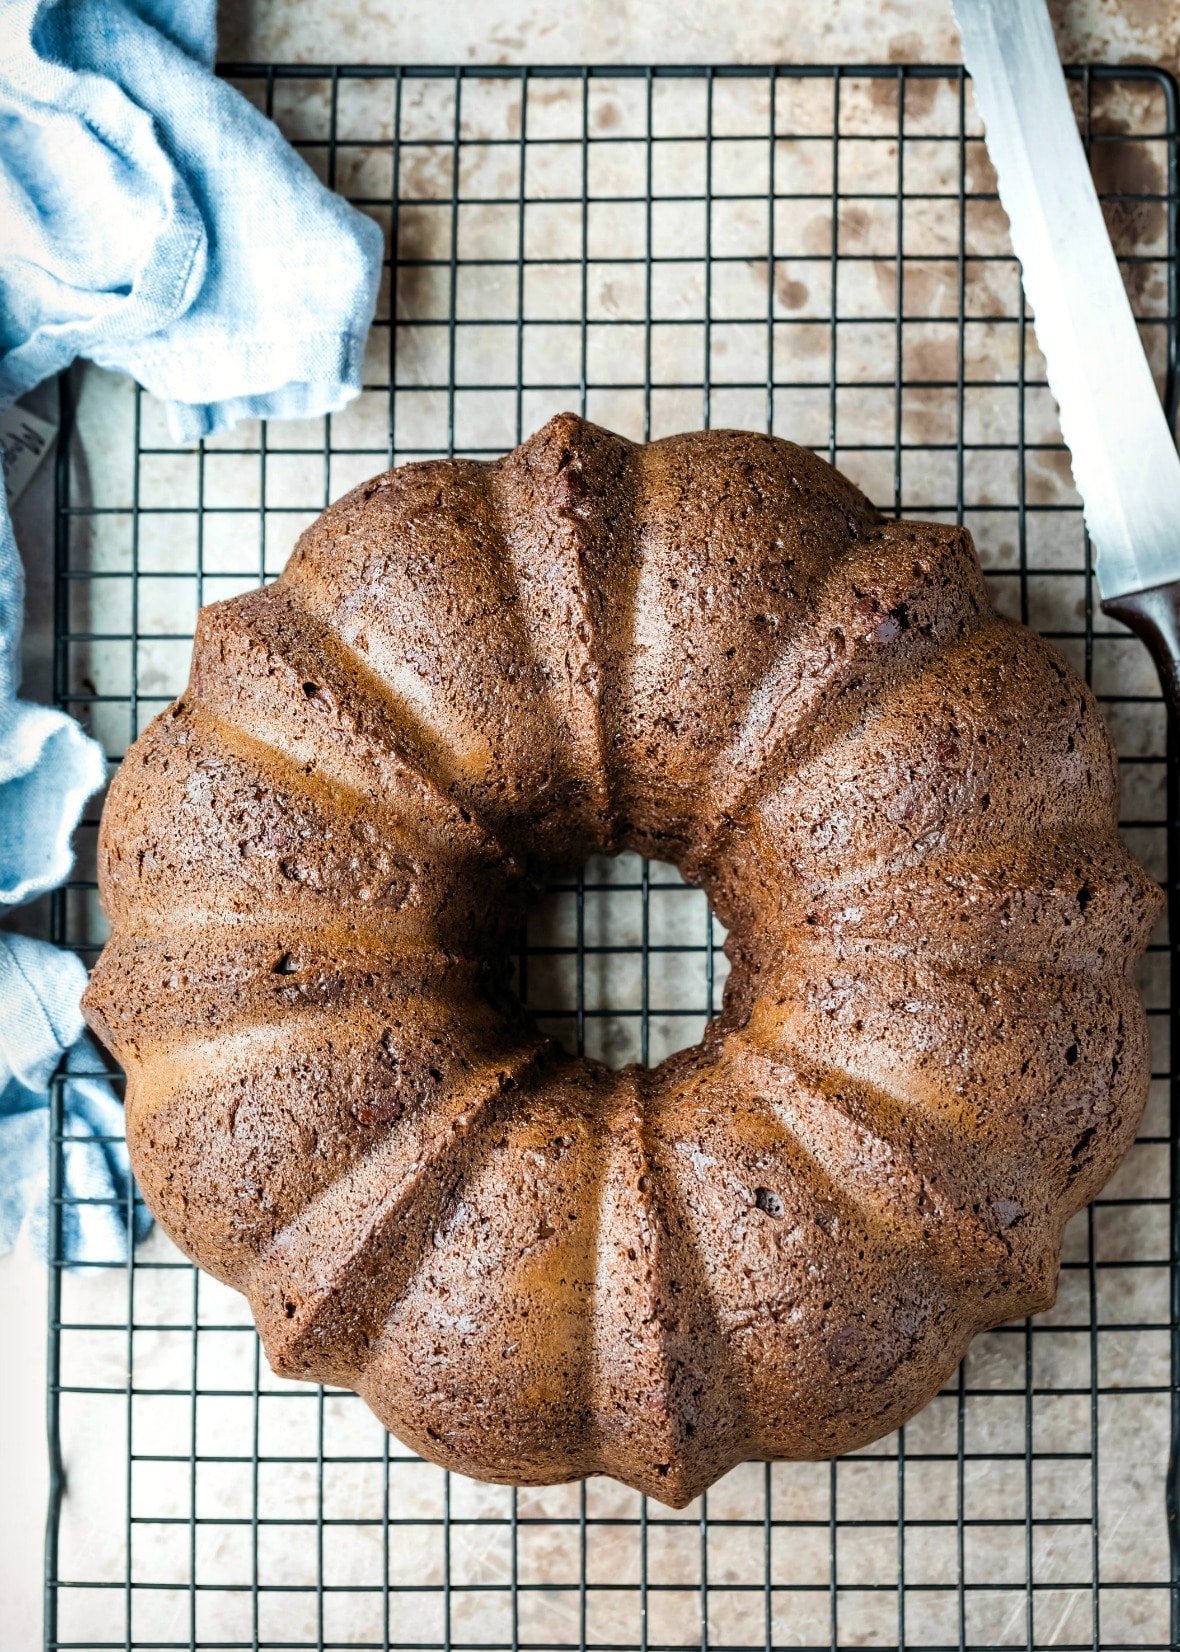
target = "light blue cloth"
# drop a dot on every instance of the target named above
(41, 1023)
(154, 222)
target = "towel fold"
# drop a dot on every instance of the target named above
(157, 223)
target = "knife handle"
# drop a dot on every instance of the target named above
(1154, 616)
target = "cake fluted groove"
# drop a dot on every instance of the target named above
(326, 928)
(1064, 901)
(359, 803)
(245, 742)
(410, 569)
(732, 531)
(937, 770)
(868, 631)
(483, 1363)
(402, 742)
(1055, 1091)
(163, 997)
(872, 1142)
(669, 1409)
(245, 1020)
(500, 556)
(196, 1053)
(740, 1433)
(229, 1151)
(321, 1308)
(280, 845)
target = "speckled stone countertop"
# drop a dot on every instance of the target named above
(520, 31)
(670, 31)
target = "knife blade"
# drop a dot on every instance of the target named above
(1125, 462)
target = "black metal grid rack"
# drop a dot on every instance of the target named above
(818, 251)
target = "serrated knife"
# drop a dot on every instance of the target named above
(1125, 462)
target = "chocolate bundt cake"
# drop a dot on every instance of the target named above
(714, 651)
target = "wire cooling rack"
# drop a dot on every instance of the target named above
(815, 251)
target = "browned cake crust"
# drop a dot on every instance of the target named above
(712, 650)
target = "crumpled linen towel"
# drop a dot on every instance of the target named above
(41, 1023)
(154, 222)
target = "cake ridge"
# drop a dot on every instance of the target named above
(558, 493)
(242, 741)
(937, 770)
(669, 1349)
(888, 638)
(376, 936)
(437, 616)
(955, 1224)
(725, 1371)
(293, 1262)
(820, 739)
(593, 463)
(402, 721)
(368, 829)
(241, 1032)
(504, 562)
(199, 1051)
(724, 554)
(998, 860)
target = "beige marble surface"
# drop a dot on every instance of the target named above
(1132, 1431)
(669, 31)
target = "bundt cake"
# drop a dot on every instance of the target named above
(714, 651)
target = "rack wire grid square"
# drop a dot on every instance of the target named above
(815, 251)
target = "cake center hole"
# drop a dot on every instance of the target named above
(625, 963)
